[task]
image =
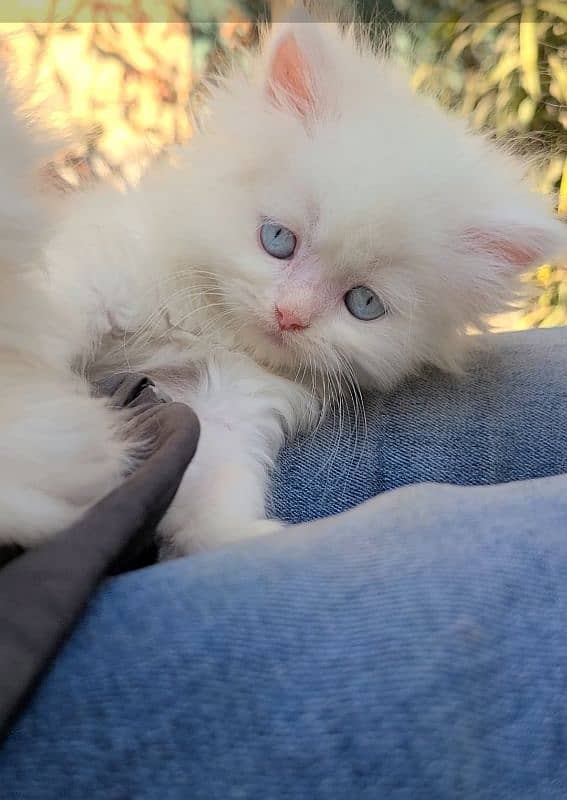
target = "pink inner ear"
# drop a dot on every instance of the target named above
(290, 78)
(519, 247)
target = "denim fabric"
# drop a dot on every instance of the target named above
(412, 648)
(504, 421)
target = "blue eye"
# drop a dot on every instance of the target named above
(278, 241)
(364, 304)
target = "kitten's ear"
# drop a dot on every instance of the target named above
(516, 246)
(295, 67)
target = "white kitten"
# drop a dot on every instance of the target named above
(325, 227)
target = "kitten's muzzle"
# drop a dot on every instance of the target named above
(289, 320)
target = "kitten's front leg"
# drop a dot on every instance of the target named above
(222, 499)
(243, 411)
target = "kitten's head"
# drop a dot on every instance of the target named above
(351, 225)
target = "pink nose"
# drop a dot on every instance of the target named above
(289, 320)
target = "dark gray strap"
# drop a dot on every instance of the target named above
(44, 590)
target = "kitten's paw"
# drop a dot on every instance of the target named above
(242, 531)
(260, 527)
(185, 542)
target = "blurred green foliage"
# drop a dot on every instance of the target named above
(502, 64)
(210, 46)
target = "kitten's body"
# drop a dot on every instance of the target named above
(380, 189)
(49, 424)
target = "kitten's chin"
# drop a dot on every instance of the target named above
(271, 348)
(277, 339)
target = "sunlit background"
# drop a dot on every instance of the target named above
(119, 78)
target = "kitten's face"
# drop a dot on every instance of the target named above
(316, 283)
(366, 230)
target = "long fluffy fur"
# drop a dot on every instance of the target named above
(59, 450)
(382, 190)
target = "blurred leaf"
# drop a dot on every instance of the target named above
(558, 73)
(505, 66)
(544, 274)
(529, 49)
(526, 112)
(503, 12)
(562, 206)
(554, 7)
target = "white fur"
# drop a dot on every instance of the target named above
(381, 188)
(59, 449)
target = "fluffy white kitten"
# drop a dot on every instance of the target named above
(324, 227)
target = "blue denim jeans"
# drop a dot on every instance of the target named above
(414, 647)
